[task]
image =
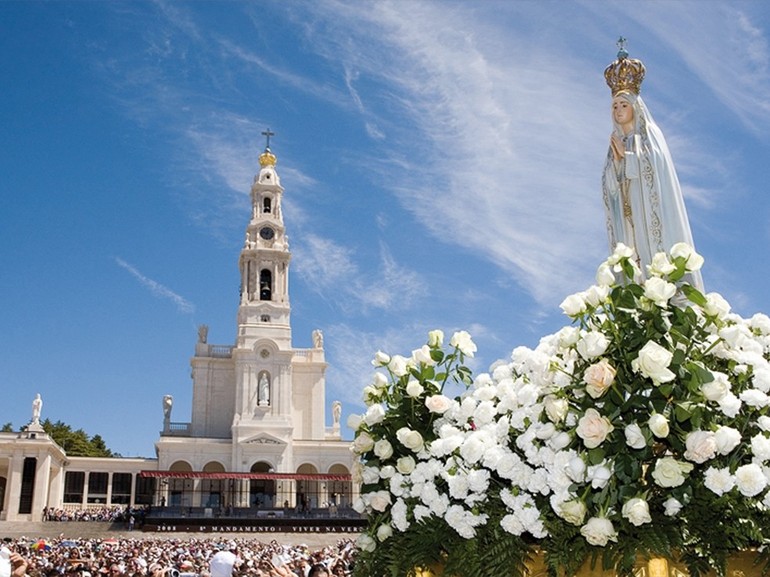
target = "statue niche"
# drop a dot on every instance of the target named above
(263, 390)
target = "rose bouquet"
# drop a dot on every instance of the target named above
(643, 429)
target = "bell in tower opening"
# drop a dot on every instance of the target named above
(265, 285)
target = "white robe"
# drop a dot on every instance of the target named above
(644, 186)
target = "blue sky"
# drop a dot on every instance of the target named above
(441, 164)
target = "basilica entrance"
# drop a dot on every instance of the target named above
(261, 491)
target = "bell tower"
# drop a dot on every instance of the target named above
(259, 405)
(264, 310)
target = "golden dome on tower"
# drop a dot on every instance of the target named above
(267, 158)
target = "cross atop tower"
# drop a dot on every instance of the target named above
(267, 133)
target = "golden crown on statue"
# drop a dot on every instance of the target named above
(624, 73)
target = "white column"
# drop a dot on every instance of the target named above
(195, 501)
(13, 486)
(109, 488)
(84, 499)
(40, 490)
(56, 488)
(132, 499)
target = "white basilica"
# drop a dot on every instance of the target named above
(257, 438)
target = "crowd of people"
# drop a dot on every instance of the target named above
(104, 514)
(173, 558)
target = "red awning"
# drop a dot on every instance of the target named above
(267, 476)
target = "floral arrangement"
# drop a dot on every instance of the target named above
(642, 429)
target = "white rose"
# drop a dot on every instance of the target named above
(596, 295)
(398, 365)
(545, 431)
(730, 405)
(573, 511)
(718, 481)
(637, 511)
(660, 265)
(658, 425)
(555, 408)
(384, 532)
(604, 275)
(576, 469)
(634, 436)
(599, 531)
(716, 305)
(716, 389)
(387, 472)
(755, 398)
(380, 359)
(669, 472)
(370, 394)
(379, 500)
(573, 305)
(592, 344)
(354, 421)
(653, 362)
(621, 251)
(438, 404)
(462, 340)
(761, 379)
(414, 389)
(365, 543)
(410, 439)
(380, 381)
(726, 439)
(405, 465)
(761, 323)
(362, 443)
(598, 378)
(701, 446)
(659, 291)
(672, 507)
(760, 447)
(359, 506)
(693, 261)
(750, 480)
(593, 428)
(559, 441)
(374, 414)
(383, 449)
(599, 475)
(422, 356)
(568, 336)
(763, 423)
(435, 338)
(370, 475)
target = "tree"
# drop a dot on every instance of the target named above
(7, 428)
(76, 443)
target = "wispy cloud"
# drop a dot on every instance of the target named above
(330, 270)
(485, 155)
(505, 137)
(157, 289)
(728, 52)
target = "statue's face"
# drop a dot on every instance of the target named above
(622, 111)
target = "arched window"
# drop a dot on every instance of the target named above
(265, 285)
(266, 205)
